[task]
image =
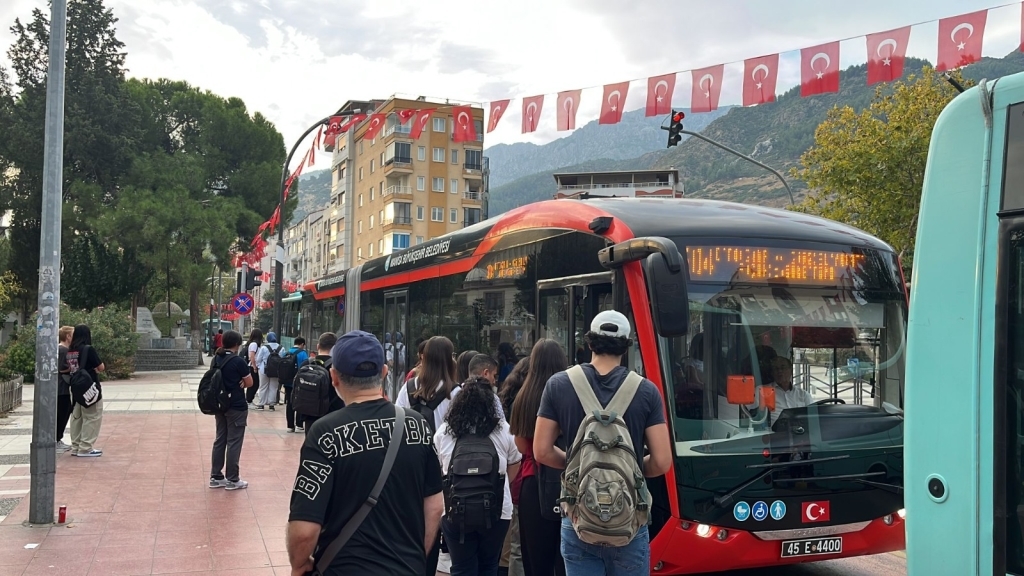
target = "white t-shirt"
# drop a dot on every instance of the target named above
(439, 413)
(796, 397)
(254, 348)
(263, 354)
(504, 445)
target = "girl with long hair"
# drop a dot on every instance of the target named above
(463, 365)
(539, 537)
(512, 385)
(85, 420)
(248, 353)
(475, 413)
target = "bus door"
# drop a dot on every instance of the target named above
(566, 306)
(396, 308)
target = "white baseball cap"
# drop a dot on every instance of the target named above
(611, 323)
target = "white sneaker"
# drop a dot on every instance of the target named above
(236, 485)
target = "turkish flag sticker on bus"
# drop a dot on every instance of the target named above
(532, 107)
(759, 79)
(611, 105)
(707, 87)
(498, 108)
(374, 126)
(960, 39)
(819, 69)
(886, 51)
(815, 512)
(419, 124)
(568, 103)
(464, 130)
(659, 94)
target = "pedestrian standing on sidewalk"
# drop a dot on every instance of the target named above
(64, 402)
(227, 447)
(85, 420)
(218, 341)
(316, 370)
(249, 355)
(345, 456)
(296, 357)
(268, 369)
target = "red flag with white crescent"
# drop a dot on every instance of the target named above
(373, 127)
(819, 69)
(707, 88)
(498, 108)
(659, 94)
(420, 123)
(960, 40)
(333, 129)
(464, 129)
(568, 104)
(532, 108)
(613, 103)
(352, 121)
(760, 76)
(886, 53)
(406, 115)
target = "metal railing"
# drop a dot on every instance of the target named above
(399, 190)
(614, 185)
(399, 162)
(10, 394)
(473, 166)
(398, 128)
(472, 196)
(399, 220)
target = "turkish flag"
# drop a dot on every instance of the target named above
(498, 108)
(532, 107)
(819, 69)
(960, 39)
(886, 52)
(352, 121)
(815, 512)
(568, 103)
(333, 129)
(612, 104)
(760, 76)
(659, 94)
(419, 124)
(374, 126)
(707, 87)
(464, 130)
(406, 115)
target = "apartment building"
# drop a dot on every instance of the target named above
(392, 192)
(619, 184)
(307, 247)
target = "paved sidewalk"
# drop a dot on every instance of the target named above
(144, 506)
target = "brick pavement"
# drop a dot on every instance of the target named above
(144, 506)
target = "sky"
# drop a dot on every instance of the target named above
(296, 61)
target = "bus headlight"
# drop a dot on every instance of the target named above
(703, 530)
(902, 513)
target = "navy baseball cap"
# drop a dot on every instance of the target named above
(358, 354)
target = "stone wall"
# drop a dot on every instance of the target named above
(159, 360)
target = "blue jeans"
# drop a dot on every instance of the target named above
(480, 553)
(582, 559)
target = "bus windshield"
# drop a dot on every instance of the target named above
(785, 362)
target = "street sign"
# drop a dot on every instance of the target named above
(242, 303)
(340, 307)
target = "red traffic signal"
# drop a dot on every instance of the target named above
(678, 117)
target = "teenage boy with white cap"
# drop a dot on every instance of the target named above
(560, 415)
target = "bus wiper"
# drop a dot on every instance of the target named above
(859, 478)
(726, 498)
(798, 462)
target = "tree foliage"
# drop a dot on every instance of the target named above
(866, 168)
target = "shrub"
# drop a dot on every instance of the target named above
(113, 336)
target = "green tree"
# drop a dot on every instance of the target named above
(866, 168)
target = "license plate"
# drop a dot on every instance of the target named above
(812, 547)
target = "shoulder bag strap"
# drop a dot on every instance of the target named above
(353, 523)
(581, 384)
(624, 395)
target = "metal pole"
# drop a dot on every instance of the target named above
(745, 157)
(220, 295)
(43, 457)
(279, 262)
(209, 326)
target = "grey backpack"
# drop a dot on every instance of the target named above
(604, 493)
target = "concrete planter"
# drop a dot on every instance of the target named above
(10, 394)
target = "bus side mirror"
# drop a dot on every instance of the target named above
(670, 303)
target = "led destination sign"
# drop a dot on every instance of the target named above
(759, 264)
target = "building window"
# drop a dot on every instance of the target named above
(436, 214)
(399, 241)
(360, 200)
(361, 147)
(419, 239)
(421, 153)
(372, 195)
(419, 212)
(399, 152)
(380, 246)
(455, 186)
(453, 215)
(373, 163)
(472, 216)
(439, 124)
(455, 156)
(371, 221)
(360, 226)
(381, 216)
(370, 248)
(360, 174)
(474, 159)
(359, 253)
(421, 183)
(438, 154)
(437, 185)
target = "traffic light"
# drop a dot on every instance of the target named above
(674, 128)
(252, 278)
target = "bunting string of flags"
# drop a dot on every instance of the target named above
(960, 40)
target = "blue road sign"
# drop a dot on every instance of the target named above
(778, 510)
(340, 307)
(242, 303)
(741, 511)
(759, 510)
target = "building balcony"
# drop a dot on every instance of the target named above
(398, 164)
(620, 190)
(479, 137)
(399, 222)
(399, 130)
(396, 192)
(472, 171)
(472, 197)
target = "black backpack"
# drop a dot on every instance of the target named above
(312, 391)
(84, 389)
(213, 396)
(474, 491)
(288, 368)
(426, 409)
(273, 367)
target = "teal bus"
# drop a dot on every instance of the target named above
(965, 345)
